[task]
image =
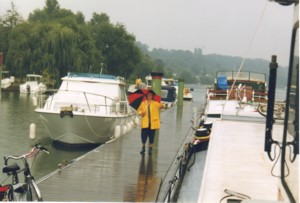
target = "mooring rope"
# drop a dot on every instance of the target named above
(247, 52)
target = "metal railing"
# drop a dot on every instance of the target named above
(86, 102)
(249, 93)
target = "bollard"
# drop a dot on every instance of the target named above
(32, 131)
(117, 132)
(34, 101)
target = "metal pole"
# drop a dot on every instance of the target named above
(270, 110)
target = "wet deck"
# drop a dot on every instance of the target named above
(117, 172)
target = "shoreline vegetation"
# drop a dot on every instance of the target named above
(54, 41)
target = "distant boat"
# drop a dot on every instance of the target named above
(5, 82)
(164, 82)
(87, 109)
(169, 90)
(187, 94)
(168, 96)
(33, 85)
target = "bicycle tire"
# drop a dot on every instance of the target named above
(34, 193)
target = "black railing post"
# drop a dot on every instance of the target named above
(270, 110)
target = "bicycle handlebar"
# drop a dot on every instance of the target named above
(34, 151)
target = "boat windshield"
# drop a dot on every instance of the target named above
(246, 76)
(34, 78)
(110, 90)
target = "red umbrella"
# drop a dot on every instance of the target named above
(136, 98)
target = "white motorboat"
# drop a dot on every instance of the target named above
(87, 109)
(33, 85)
(6, 81)
(187, 94)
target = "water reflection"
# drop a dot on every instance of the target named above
(179, 114)
(16, 115)
(147, 183)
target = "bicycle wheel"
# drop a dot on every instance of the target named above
(33, 192)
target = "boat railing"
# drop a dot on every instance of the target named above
(246, 94)
(83, 102)
(245, 76)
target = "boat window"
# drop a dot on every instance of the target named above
(290, 162)
(101, 89)
(257, 77)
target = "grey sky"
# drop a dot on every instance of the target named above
(216, 26)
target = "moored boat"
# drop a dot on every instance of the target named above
(187, 94)
(87, 109)
(236, 93)
(33, 85)
(169, 90)
(252, 161)
(6, 81)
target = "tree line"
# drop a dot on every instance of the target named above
(54, 41)
(195, 67)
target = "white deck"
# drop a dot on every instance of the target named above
(236, 161)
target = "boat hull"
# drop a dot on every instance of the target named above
(84, 129)
(5, 83)
(31, 88)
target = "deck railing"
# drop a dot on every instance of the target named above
(83, 102)
(245, 94)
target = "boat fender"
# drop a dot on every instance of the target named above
(34, 101)
(132, 124)
(124, 130)
(32, 131)
(137, 120)
(129, 126)
(117, 107)
(201, 132)
(208, 125)
(117, 132)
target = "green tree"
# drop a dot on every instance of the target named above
(12, 17)
(55, 41)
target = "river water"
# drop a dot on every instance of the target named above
(16, 115)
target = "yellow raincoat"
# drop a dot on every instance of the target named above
(154, 114)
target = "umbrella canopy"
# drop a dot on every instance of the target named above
(136, 98)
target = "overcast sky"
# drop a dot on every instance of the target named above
(216, 26)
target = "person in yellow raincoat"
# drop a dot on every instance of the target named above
(149, 111)
(138, 82)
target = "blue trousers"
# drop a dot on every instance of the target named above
(147, 132)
